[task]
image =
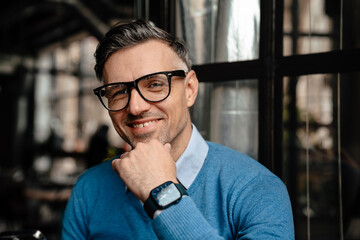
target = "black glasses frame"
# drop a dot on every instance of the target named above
(134, 84)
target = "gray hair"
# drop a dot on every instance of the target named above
(122, 36)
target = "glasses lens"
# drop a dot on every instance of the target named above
(155, 87)
(115, 97)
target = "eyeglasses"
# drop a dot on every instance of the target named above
(153, 87)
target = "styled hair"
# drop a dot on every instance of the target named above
(125, 35)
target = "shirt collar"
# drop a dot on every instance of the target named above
(191, 160)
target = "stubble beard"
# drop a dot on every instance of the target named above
(163, 135)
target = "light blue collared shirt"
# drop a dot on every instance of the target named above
(191, 160)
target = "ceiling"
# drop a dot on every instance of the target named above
(27, 26)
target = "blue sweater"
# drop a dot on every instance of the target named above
(233, 197)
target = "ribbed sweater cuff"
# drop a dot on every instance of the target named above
(181, 221)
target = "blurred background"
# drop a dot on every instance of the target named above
(280, 81)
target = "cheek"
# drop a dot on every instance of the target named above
(179, 96)
(116, 120)
(178, 108)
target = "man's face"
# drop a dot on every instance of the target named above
(167, 121)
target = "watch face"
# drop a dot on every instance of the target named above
(166, 194)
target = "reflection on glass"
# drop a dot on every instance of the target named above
(310, 22)
(224, 31)
(317, 102)
(234, 115)
(220, 31)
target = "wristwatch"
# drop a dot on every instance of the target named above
(164, 196)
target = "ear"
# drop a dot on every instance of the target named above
(191, 88)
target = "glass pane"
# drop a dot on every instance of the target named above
(350, 153)
(307, 45)
(315, 98)
(313, 102)
(351, 24)
(322, 20)
(220, 31)
(310, 28)
(227, 113)
(224, 31)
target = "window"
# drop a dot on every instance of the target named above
(300, 85)
(217, 31)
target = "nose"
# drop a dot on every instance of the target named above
(137, 104)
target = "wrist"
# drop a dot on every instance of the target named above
(148, 188)
(164, 196)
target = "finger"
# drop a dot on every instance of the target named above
(127, 147)
(113, 164)
(168, 146)
(124, 155)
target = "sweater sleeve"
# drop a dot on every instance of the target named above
(260, 210)
(183, 221)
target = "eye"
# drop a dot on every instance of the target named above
(154, 83)
(116, 92)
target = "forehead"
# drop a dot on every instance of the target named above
(136, 61)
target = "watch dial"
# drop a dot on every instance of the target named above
(166, 194)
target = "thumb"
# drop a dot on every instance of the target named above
(113, 164)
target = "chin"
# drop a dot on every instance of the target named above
(147, 137)
(142, 138)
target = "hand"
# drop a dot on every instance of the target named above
(145, 167)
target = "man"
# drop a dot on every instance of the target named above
(171, 184)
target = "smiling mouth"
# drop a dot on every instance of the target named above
(145, 124)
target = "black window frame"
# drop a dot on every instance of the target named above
(270, 69)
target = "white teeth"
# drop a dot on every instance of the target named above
(141, 125)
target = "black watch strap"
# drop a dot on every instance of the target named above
(181, 188)
(151, 207)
